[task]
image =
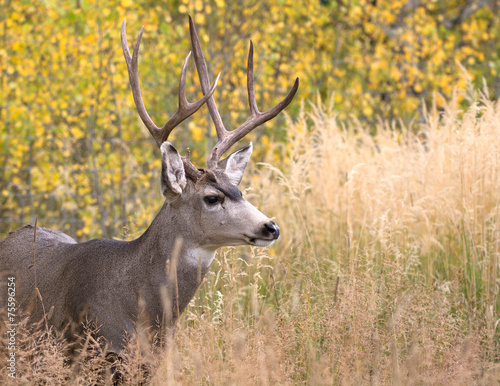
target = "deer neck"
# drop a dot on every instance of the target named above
(157, 249)
(157, 245)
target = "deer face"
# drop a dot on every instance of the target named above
(213, 205)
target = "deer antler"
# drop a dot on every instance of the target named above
(185, 109)
(228, 138)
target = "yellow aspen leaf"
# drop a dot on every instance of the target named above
(199, 18)
(368, 111)
(196, 132)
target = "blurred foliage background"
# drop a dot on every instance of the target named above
(74, 153)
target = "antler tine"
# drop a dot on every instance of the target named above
(201, 66)
(185, 109)
(191, 171)
(250, 82)
(228, 138)
(133, 76)
(256, 118)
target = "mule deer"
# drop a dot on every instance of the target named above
(105, 280)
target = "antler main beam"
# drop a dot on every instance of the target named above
(228, 138)
(185, 108)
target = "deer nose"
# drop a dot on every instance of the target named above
(273, 229)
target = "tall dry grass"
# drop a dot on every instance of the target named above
(386, 273)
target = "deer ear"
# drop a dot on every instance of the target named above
(173, 176)
(234, 165)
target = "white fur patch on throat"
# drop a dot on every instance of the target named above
(193, 256)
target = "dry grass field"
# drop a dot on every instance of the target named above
(387, 271)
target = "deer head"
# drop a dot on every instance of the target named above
(208, 197)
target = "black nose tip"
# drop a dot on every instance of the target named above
(273, 229)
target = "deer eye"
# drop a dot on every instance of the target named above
(212, 200)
